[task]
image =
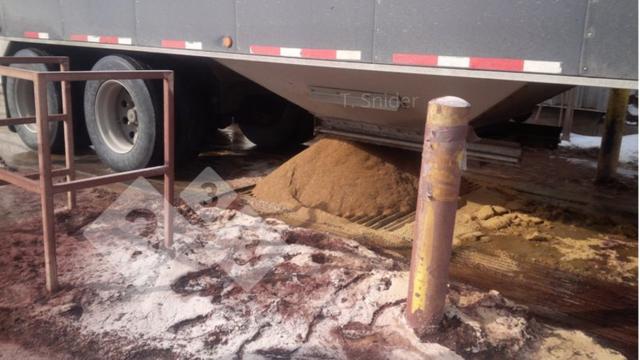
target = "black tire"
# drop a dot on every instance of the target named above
(20, 103)
(273, 122)
(305, 123)
(113, 142)
(81, 137)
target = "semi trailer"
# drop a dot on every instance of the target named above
(282, 70)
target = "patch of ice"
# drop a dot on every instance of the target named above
(629, 173)
(628, 149)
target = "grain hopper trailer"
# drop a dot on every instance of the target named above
(363, 69)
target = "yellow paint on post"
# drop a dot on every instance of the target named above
(421, 278)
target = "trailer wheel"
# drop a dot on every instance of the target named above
(191, 117)
(272, 122)
(123, 117)
(21, 103)
(305, 129)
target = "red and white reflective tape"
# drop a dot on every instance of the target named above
(102, 39)
(36, 35)
(323, 54)
(479, 63)
(181, 44)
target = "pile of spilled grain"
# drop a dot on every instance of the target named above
(345, 179)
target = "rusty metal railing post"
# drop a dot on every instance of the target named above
(169, 149)
(69, 146)
(442, 156)
(46, 183)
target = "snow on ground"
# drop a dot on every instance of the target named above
(628, 149)
(626, 172)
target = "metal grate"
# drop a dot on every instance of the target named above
(396, 221)
(391, 222)
(383, 222)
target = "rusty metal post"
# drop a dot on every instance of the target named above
(169, 164)
(567, 121)
(46, 184)
(69, 147)
(612, 136)
(442, 157)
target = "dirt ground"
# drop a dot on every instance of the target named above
(490, 219)
(561, 253)
(543, 233)
(234, 287)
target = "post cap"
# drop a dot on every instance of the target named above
(451, 101)
(448, 111)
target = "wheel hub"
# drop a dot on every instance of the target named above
(132, 117)
(25, 101)
(116, 116)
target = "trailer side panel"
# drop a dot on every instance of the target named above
(611, 40)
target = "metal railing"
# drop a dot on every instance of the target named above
(42, 181)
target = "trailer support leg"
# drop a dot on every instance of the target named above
(441, 170)
(612, 136)
(567, 120)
